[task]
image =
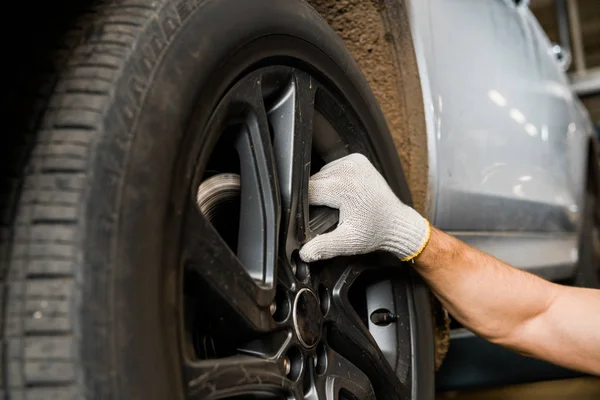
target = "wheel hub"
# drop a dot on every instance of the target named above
(307, 316)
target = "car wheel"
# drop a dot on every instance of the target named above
(153, 246)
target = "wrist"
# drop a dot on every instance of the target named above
(440, 248)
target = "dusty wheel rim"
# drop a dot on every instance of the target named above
(258, 321)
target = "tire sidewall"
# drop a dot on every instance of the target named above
(588, 266)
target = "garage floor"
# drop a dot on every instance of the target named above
(571, 389)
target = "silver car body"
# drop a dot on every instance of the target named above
(507, 138)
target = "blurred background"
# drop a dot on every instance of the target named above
(575, 26)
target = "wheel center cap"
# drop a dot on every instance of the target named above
(307, 318)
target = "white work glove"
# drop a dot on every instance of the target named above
(371, 216)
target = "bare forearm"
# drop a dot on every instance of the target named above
(484, 294)
(513, 308)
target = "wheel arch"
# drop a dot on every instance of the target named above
(378, 35)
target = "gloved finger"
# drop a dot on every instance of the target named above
(323, 192)
(329, 245)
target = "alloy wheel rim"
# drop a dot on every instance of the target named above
(275, 316)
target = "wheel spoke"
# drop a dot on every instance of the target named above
(292, 120)
(340, 380)
(349, 336)
(259, 210)
(323, 219)
(272, 347)
(236, 375)
(207, 254)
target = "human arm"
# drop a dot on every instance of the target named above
(513, 308)
(498, 302)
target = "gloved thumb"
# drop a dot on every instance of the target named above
(328, 245)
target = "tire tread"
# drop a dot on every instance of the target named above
(42, 275)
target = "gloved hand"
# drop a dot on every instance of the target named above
(371, 216)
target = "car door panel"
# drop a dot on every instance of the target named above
(499, 134)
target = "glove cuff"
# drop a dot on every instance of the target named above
(425, 242)
(410, 234)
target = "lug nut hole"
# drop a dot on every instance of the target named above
(299, 267)
(293, 363)
(324, 299)
(321, 359)
(281, 306)
(302, 271)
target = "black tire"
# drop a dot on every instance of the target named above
(89, 308)
(588, 268)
